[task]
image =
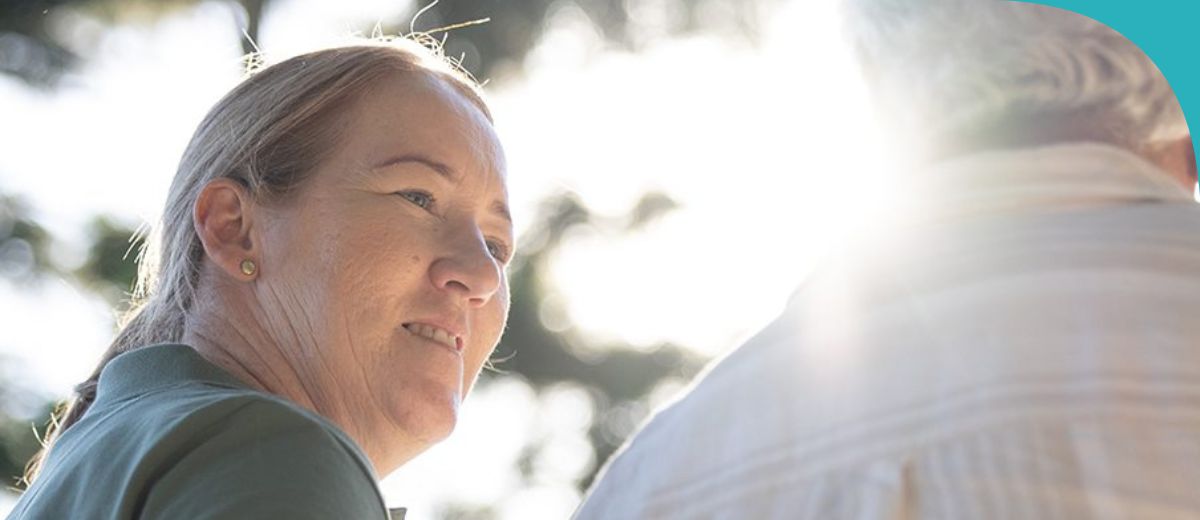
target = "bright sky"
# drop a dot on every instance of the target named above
(768, 149)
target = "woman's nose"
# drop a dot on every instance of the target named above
(467, 270)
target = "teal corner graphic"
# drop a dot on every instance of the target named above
(1164, 29)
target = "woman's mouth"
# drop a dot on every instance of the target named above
(436, 334)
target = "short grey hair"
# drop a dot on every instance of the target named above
(940, 68)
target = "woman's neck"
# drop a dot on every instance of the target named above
(227, 335)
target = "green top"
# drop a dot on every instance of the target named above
(172, 436)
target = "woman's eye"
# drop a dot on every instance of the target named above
(498, 250)
(421, 199)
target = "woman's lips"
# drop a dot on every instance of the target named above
(435, 334)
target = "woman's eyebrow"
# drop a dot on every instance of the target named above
(441, 168)
(500, 209)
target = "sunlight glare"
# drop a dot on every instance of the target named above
(771, 152)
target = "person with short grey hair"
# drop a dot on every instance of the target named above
(953, 77)
(1019, 344)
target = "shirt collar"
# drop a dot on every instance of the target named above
(155, 367)
(1050, 178)
(158, 366)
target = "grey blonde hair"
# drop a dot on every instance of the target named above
(268, 134)
(943, 68)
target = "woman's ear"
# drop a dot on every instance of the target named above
(223, 218)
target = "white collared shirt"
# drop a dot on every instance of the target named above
(1028, 347)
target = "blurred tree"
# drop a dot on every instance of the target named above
(459, 512)
(27, 48)
(111, 266)
(516, 26)
(18, 442)
(36, 43)
(618, 377)
(24, 259)
(108, 271)
(23, 242)
(36, 46)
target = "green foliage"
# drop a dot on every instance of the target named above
(23, 259)
(28, 49)
(19, 440)
(111, 266)
(515, 27)
(460, 512)
(618, 377)
(23, 242)
(37, 48)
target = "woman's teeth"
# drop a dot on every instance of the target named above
(433, 333)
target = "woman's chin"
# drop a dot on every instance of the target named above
(409, 430)
(427, 417)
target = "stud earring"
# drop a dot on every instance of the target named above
(248, 267)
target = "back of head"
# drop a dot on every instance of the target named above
(953, 76)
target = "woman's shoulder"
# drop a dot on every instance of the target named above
(193, 451)
(170, 394)
(169, 390)
(202, 447)
(195, 415)
(249, 454)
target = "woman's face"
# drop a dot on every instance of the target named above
(383, 279)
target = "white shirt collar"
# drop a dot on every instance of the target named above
(1051, 178)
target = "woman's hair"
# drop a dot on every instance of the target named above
(941, 69)
(268, 134)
